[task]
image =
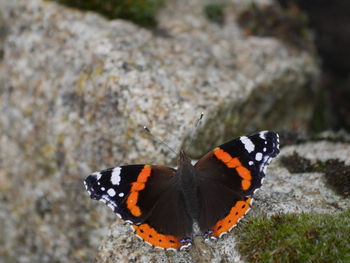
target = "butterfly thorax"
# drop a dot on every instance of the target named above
(186, 175)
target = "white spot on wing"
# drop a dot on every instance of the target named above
(102, 188)
(111, 192)
(97, 175)
(251, 163)
(121, 194)
(248, 144)
(115, 178)
(262, 135)
(264, 150)
(258, 156)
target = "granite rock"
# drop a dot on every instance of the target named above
(76, 90)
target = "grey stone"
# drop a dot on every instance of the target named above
(76, 90)
(121, 246)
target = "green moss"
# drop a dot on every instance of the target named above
(215, 12)
(296, 238)
(337, 174)
(141, 12)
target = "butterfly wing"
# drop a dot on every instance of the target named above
(228, 177)
(147, 197)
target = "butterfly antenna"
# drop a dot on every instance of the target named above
(158, 140)
(194, 129)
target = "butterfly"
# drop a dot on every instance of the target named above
(162, 204)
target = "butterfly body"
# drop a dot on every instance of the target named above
(187, 175)
(162, 203)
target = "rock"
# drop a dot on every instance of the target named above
(121, 246)
(286, 192)
(77, 90)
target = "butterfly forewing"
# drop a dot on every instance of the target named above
(254, 152)
(112, 187)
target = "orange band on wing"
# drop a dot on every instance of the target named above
(231, 162)
(131, 202)
(150, 235)
(222, 155)
(145, 173)
(234, 163)
(245, 184)
(137, 186)
(228, 222)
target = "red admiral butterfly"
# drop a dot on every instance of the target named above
(162, 203)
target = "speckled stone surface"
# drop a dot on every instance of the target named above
(76, 90)
(304, 192)
(122, 246)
